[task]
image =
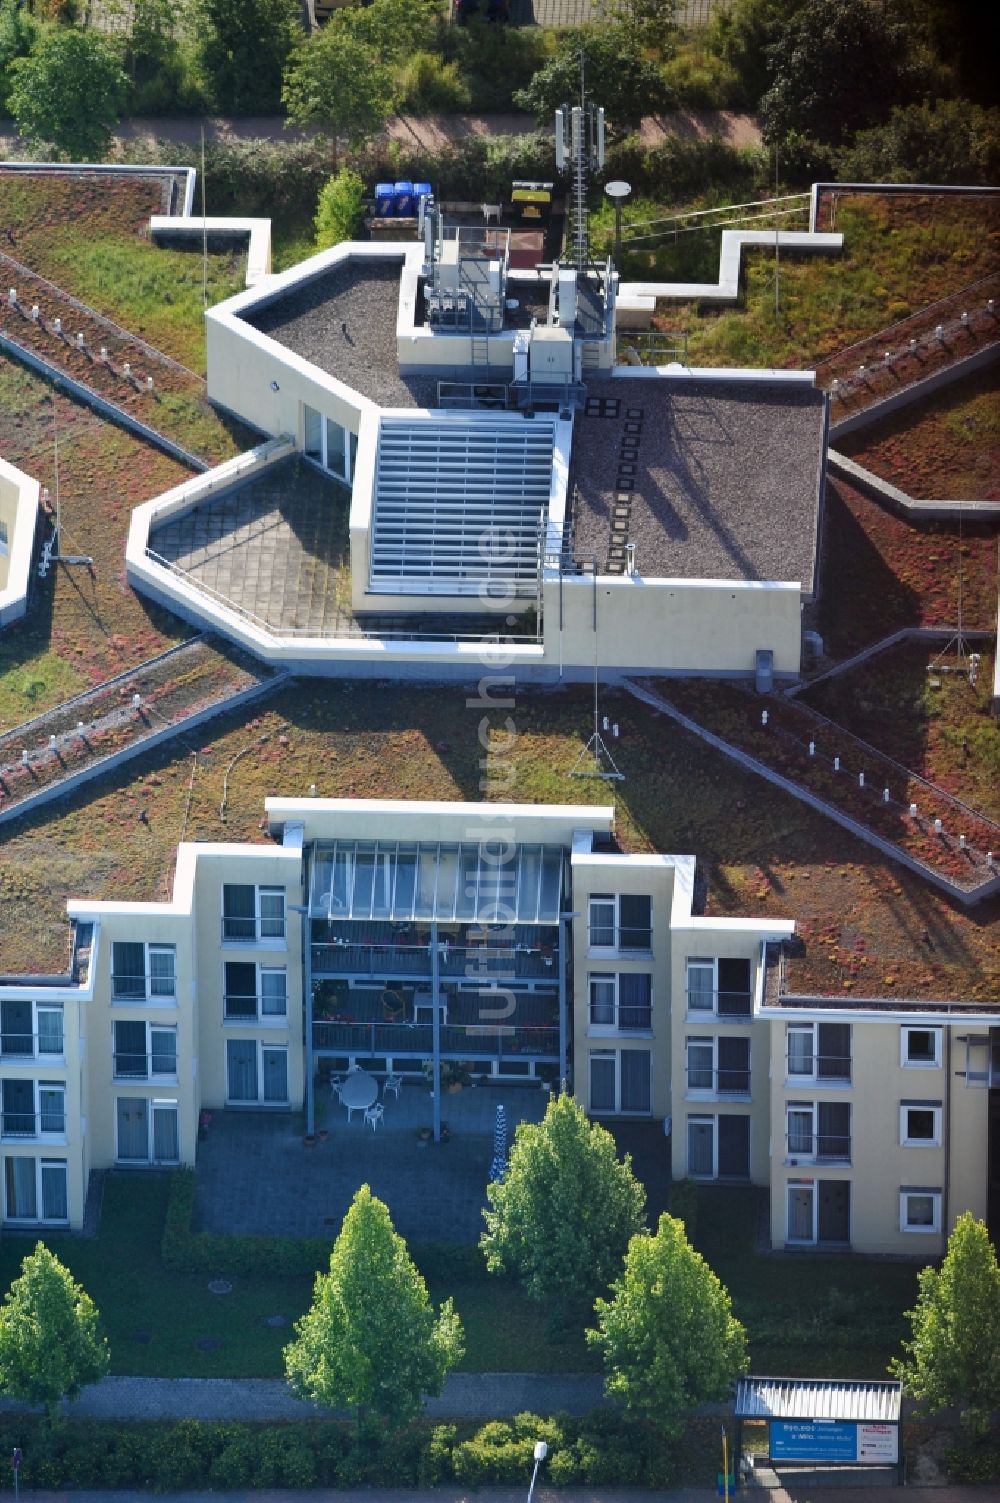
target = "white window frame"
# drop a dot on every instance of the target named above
(905, 1138)
(611, 979)
(155, 998)
(46, 1056)
(37, 1133)
(814, 1198)
(4, 540)
(712, 961)
(712, 1092)
(812, 1156)
(904, 1047)
(153, 1104)
(815, 1078)
(261, 1045)
(260, 1018)
(151, 1076)
(700, 1120)
(921, 1229)
(617, 1110)
(40, 1220)
(261, 891)
(346, 473)
(614, 900)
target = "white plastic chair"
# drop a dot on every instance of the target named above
(336, 1085)
(393, 1083)
(374, 1114)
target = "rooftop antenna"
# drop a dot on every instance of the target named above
(580, 151)
(957, 644)
(595, 760)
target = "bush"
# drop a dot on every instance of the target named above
(340, 209)
(428, 85)
(950, 141)
(975, 1464)
(701, 80)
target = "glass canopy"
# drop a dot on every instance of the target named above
(489, 883)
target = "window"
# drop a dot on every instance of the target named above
(29, 1108)
(620, 1081)
(35, 1189)
(141, 972)
(621, 924)
(329, 444)
(256, 1073)
(919, 1210)
(819, 1131)
(819, 1051)
(720, 987)
(29, 1029)
(4, 540)
(622, 1002)
(144, 1051)
(701, 1148)
(719, 1147)
(818, 1211)
(920, 1124)
(251, 914)
(253, 992)
(146, 1131)
(920, 1047)
(719, 1066)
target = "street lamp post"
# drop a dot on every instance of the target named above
(16, 1464)
(541, 1451)
(618, 192)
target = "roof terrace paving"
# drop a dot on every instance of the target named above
(713, 480)
(344, 322)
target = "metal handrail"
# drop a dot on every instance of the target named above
(254, 1009)
(132, 1066)
(719, 1004)
(8, 1051)
(31, 1124)
(251, 934)
(728, 1082)
(143, 993)
(821, 1147)
(817, 1073)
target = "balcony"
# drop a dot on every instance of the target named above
(817, 1148)
(375, 1022)
(385, 951)
(734, 1084)
(727, 1007)
(819, 1069)
(30, 1046)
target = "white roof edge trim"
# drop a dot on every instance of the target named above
(597, 816)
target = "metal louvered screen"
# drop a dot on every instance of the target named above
(460, 504)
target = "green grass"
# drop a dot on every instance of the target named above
(292, 240)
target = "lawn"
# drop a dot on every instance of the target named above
(899, 254)
(759, 850)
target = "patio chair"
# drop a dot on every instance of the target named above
(336, 1082)
(374, 1114)
(393, 1083)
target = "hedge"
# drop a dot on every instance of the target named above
(597, 1449)
(216, 1254)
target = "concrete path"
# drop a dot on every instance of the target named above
(543, 1494)
(465, 1396)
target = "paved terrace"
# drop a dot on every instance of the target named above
(344, 322)
(256, 1176)
(709, 480)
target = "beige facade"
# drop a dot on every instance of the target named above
(867, 1121)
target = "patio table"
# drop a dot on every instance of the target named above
(359, 1091)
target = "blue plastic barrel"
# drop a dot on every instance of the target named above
(404, 200)
(385, 199)
(422, 190)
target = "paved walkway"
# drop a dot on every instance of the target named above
(543, 1494)
(465, 1396)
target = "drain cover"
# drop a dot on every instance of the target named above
(220, 1286)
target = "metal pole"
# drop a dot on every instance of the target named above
(436, 1029)
(618, 236)
(204, 228)
(565, 930)
(776, 251)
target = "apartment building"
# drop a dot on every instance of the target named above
(519, 942)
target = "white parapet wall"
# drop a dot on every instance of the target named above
(727, 288)
(18, 520)
(195, 229)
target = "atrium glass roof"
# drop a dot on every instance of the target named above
(490, 883)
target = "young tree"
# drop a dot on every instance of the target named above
(618, 74)
(837, 66)
(51, 1343)
(338, 212)
(371, 1341)
(668, 1335)
(68, 93)
(337, 80)
(954, 1356)
(562, 1217)
(244, 46)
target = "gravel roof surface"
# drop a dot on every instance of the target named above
(726, 479)
(364, 296)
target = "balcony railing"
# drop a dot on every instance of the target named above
(457, 1041)
(29, 1046)
(820, 1067)
(624, 1019)
(141, 988)
(623, 940)
(818, 1148)
(244, 1009)
(736, 1006)
(153, 1066)
(719, 1082)
(32, 1124)
(377, 958)
(251, 931)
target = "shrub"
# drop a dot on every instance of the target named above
(429, 85)
(701, 80)
(950, 141)
(340, 208)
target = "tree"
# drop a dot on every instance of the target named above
(954, 1356)
(51, 1343)
(18, 34)
(371, 1341)
(743, 35)
(338, 212)
(562, 1217)
(68, 93)
(837, 66)
(951, 141)
(668, 1335)
(618, 75)
(335, 79)
(244, 47)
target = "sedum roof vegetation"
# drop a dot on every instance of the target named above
(867, 925)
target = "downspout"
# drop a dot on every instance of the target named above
(946, 1185)
(564, 940)
(306, 930)
(436, 1031)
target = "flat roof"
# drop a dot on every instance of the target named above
(343, 320)
(851, 1399)
(721, 479)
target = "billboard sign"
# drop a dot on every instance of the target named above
(834, 1440)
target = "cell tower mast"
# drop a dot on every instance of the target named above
(579, 152)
